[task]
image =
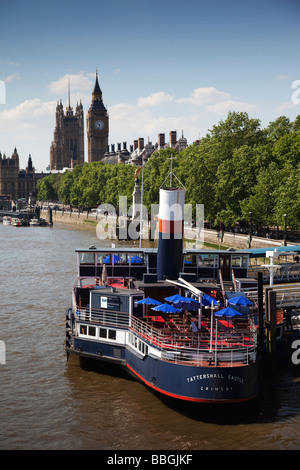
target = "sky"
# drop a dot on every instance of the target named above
(163, 65)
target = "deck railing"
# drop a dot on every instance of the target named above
(178, 345)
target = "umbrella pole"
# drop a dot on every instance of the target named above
(199, 312)
(211, 329)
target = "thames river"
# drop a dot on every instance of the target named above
(48, 403)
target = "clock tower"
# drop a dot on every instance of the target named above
(97, 126)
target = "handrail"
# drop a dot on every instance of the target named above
(177, 345)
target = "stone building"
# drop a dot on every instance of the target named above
(14, 182)
(140, 152)
(67, 147)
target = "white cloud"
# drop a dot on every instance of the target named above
(78, 81)
(201, 96)
(215, 101)
(280, 78)
(27, 114)
(288, 105)
(14, 76)
(156, 99)
(224, 107)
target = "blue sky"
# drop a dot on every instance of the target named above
(163, 65)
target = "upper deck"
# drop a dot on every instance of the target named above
(141, 264)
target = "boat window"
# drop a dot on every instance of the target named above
(103, 333)
(136, 259)
(239, 261)
(236, 261)
(190, 260)
(109, 258)
(112, 334)
(138, 309)
(122, 258)
(83, 329)
(87, 258)
(92, 331)
(104, 258)
(207, 260)
(244, 261)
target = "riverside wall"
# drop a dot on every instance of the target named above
(234, 240)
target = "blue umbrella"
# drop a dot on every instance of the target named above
(165, 308)
(207, 300)
(149, 301)
(240, 300)
(175, 298)
(188, 304)
(228, 312)
(136, 259)
(108, 259)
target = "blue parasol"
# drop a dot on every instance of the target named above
(175, 298)
(136, 259)
(228, 312)
(148, 301)
(165, 308)
(207, 300)
(187, 304)
(240, 300)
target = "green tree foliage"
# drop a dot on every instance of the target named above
(237, 168)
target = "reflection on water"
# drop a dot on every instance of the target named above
(49, 403)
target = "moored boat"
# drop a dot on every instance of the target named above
(186, 348)
(34, 222)
(6, 220)
(16, 222)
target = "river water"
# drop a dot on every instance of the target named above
(47, 402)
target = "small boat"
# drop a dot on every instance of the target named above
(16, 222)
(34, 223)
(6, 220)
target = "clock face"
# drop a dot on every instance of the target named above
(99, 125)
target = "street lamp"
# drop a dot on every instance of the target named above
(250, 229)
(285, 231)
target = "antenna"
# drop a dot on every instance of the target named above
(172, 174)
(69, 92)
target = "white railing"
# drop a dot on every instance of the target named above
(287, 272)
(286, 295)
(178, 346)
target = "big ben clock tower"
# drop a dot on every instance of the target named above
(97, 126)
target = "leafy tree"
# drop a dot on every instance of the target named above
(47, 188)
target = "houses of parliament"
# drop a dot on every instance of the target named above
(67, 147)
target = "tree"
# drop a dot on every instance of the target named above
(262, 201)
(47, 188)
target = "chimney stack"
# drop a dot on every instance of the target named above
(141, 143)
(173, 138)
(161, 141)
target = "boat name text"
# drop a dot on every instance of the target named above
(215, 376)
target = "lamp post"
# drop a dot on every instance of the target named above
(285, 231)
(250, 229)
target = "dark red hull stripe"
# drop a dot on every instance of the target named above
(174, 395)
(170, 226)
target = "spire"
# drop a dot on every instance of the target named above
(69, 92)
(69, 109)
(97, 93)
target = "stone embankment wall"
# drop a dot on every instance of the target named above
(234, 240)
